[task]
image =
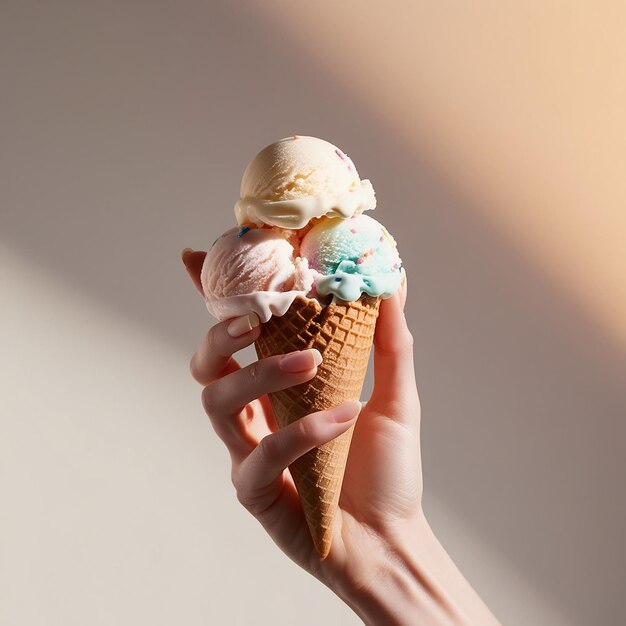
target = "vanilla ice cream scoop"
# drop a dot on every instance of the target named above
(249, 269)
(297, 179)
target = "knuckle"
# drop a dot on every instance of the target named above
(402, 345)
(248, 502)
(209, 339)
(254, 371)
(269, 450)
(235, 480)
(242, 491)
(210, 400)
(257, 497)
(243, 497)
(306, 428)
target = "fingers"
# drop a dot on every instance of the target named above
(214, 356)
(394, 371)
(227, 400)
(193, 262)
(259, 477)
(228, 395)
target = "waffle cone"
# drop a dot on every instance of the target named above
(343, 333)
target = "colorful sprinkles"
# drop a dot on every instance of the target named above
(342, 156)
(243, 231)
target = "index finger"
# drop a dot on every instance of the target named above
(193, 261)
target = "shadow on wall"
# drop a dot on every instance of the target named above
(128, 137)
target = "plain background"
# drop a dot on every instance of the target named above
(494, 135)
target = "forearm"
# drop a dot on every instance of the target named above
(414, 582)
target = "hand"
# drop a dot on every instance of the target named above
(380, 513)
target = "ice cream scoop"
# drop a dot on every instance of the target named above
(351, 257)
(250, 269)
(297, 179)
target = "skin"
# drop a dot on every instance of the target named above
(385, 562)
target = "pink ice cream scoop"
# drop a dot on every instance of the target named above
(254, 269)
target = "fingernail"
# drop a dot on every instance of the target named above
(300, 361)
(346, 412)
(184, 255)
(242, 325)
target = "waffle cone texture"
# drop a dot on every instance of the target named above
(343, 332)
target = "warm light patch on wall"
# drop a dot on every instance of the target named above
(521, 105)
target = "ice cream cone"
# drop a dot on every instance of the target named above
(343, 333)
(303, 236)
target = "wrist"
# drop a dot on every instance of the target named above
(407, 578)
(397, 586)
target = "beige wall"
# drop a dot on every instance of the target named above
(493, 133)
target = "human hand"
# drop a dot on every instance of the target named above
(379, 528)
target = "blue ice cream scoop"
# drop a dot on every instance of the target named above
(353, 256)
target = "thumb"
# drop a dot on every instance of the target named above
(394, 371)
